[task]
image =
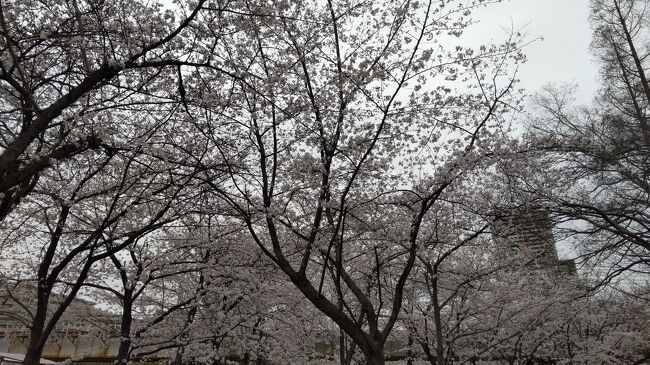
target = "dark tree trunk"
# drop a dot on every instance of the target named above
(427, 351)
(41, 327)
(437, 318)
(124, 352)
(345, 360)
(375, 358)
(34, 349)
(373, 351)
(178, 358)
(409, 353)
(36, 340)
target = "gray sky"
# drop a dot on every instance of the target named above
(562, 56)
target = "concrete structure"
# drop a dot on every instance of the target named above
(8, 358)
(526, 235)
(86, 349)
(84, 333)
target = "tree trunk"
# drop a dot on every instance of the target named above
(36, 337)
(373, 351)
(437, 319)
(123, 353)
(427, 351)
(34, 351)
(178, 358)
(375, 359)
(342, 349)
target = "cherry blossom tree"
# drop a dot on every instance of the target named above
(84, 211)
(89, 139)
(454, 265)
(146, 271)
(70, 71)
(284, 180)
(327, 110)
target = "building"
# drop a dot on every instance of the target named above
(526, 235)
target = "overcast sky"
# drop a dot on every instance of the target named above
(562, 56)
